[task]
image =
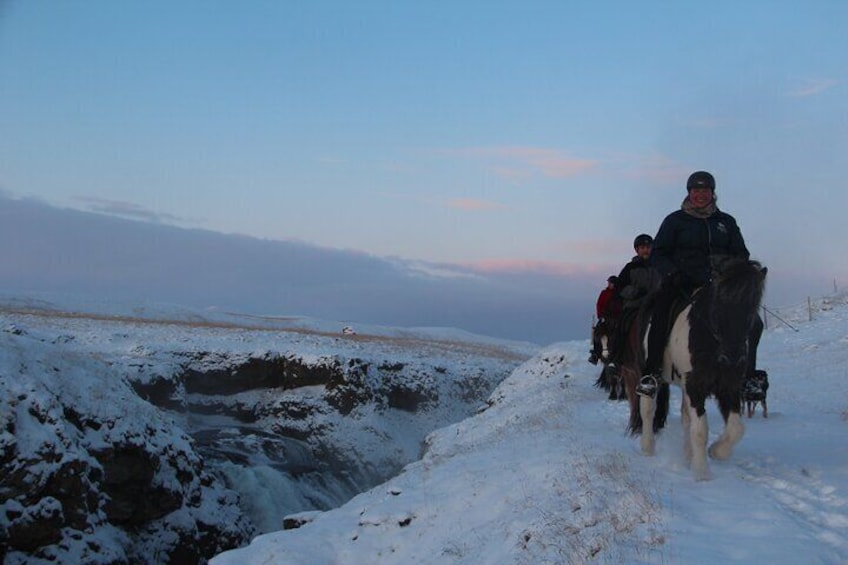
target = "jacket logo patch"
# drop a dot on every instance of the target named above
(721, 227)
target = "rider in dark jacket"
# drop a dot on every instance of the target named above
(687, 243)
(636, 282)
(689, 237)
(639, 277)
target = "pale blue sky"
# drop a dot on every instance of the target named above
(513, 136)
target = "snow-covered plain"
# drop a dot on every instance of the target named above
(547, 474)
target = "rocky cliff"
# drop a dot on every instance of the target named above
(122, 442)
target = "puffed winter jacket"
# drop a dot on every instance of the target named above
(636, 281)
(685, 243)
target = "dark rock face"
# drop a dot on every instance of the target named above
(271, 371)
(321, 423)
(109, 481)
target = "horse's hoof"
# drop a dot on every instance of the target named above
(719, 452)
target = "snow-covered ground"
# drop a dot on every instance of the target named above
(547, 474)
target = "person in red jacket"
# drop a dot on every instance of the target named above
(606, 305)
(608, 308)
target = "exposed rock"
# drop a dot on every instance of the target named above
(230, 376)
(110, 481)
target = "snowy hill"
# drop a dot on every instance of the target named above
(547, 475)
(157, 434)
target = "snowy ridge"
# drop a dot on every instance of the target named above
(546, 474)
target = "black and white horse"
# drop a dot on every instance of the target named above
(709, 353)
(609, 379)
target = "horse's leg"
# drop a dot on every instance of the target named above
(733, 432)
(734, 429)
(698, 434)
(647, 407)
(687, 423)
(765, 409)
(753, 343)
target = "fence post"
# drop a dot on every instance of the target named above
(810, 308)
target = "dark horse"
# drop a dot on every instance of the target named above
(709, 352)
(609, 379)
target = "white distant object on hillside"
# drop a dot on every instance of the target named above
(347, 330)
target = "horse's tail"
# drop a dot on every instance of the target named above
(602, 381)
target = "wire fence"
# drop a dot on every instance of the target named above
(792, 315)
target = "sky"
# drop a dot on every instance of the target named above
(544, 474)
(513, 138)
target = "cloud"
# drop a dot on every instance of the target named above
(83, 254)
(525, 266)
(127, 210)
(811, 87)
(473, 204)
(515, 161)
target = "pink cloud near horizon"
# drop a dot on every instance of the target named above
(474, 204)
(513, 161)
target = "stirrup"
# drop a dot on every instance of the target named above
(593, 359)
(647, 386)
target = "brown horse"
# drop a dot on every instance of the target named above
(709, 353)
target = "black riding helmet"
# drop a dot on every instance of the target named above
(642, 239)
(700, 179)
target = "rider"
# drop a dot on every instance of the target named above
(607, 308)
(636, 281)
(638, 278)
(682, 251)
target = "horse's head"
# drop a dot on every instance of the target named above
(734, 297)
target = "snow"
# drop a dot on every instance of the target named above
(547, 475)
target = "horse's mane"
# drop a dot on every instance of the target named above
(738, 281)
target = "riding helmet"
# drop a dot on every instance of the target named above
(642, 239)
(700, 179)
